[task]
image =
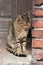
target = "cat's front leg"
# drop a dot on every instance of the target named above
(25, 51)
(18, 50)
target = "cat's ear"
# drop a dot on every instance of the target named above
(19, 17)
(29, 15)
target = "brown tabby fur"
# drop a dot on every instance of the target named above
(16, 40)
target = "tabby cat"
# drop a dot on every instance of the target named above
(16, 39)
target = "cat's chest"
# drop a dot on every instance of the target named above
(22, 34)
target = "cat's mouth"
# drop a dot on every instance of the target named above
(26, 29)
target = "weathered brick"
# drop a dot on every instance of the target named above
(37, 1)
(37, 54)
(4, 24)
(5, 7)
(37, 43)
(37, 23)
(3, 34)
(37, 33)
(38, 12)
(23, 6)
(40, 55)
(14, 8)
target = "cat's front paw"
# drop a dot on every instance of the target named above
(18, 51)
(25, 52)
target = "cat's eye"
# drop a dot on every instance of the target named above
(21, 22)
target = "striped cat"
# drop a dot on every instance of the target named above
(16, 39)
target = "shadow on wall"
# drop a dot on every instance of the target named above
(29, 40)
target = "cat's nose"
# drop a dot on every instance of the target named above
(28, 25)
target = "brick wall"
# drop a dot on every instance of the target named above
(37, 32)
(5, 18)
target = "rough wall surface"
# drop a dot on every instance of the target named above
(37, 32)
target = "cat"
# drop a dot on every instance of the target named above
(16, 39)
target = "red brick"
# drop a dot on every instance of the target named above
(38, 63)
(37, 1)
(37, 23)
(37, 43)
(37, 54)
(40, 55)
(4, 24)
(38, 12)
(37, 33)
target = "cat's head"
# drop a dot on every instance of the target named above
(23, 21)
